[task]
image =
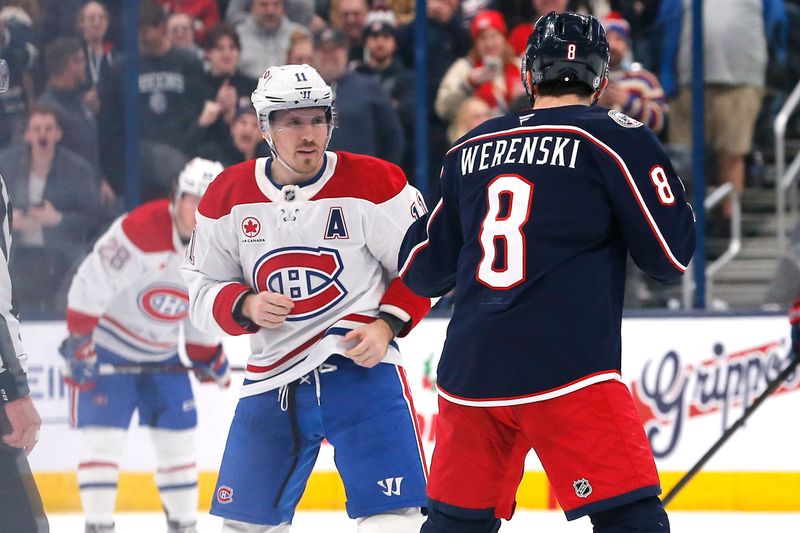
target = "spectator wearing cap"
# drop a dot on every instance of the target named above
(490, 71)
(204, 14)
(367, 123)
(380, 62)
(350, 17)
(224, 88)
(243, 144)
(265, 36)
(631, 89)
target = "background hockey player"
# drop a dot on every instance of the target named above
(299, 250)
(20, 504)
(537, 213)
(127, 302)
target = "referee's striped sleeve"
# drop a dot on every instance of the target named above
(13, 359)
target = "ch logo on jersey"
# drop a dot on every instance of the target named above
(251, 227)
(309, 276)
(391, 486)
(336, 228)
(164, 303)
(224, 494)
(582, 487)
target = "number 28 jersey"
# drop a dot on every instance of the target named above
(538, 212)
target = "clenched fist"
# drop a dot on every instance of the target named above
(267, 309)
(371, 342)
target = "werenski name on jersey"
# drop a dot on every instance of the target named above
(533, 150)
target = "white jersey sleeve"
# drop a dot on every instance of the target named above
(213, 273)
(390, 222)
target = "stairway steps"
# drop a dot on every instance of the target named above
(744, 270)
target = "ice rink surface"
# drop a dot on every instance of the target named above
(524, 521)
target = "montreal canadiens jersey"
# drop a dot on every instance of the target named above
(331, 245)
(129, 292)
(538, 212)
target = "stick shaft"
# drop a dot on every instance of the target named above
(105, 369)
(771, 387)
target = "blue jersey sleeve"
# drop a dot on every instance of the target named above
(429, 254)
(649, 201)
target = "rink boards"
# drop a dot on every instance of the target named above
(691, 378)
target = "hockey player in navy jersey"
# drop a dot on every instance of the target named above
(126, 305)
(538, 211)
(299, 251)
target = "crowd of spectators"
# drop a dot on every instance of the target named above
(63, 119)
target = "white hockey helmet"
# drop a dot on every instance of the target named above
(196, 176)
(291, 87)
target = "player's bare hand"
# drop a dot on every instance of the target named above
(25, 423)
(372, 342)
(267, 309)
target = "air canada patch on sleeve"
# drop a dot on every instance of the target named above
(624, 120)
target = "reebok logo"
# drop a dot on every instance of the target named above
(391, 486)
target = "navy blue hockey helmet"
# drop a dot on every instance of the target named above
(566, 47)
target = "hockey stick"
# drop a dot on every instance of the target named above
(105, 369)
(771, 387)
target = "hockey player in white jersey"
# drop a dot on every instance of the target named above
(126, 306)
(299, 251)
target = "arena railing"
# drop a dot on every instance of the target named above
(786, 178)
(733, 249)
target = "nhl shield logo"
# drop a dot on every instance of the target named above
(582, 488)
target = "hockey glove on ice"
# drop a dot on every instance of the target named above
(216, 369)
(794, 320)
(81, 367)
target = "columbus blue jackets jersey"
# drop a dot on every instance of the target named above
(537, 213)
(331, 245)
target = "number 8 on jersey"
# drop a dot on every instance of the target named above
(509, 197)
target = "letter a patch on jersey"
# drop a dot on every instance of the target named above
(336, 227)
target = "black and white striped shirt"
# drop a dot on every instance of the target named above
(13, 359)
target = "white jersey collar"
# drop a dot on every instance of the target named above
(291, 193)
